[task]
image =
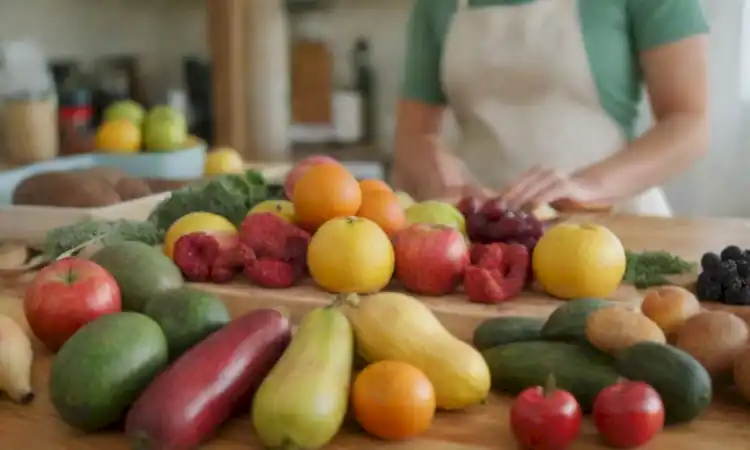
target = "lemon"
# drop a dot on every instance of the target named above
(436, 213)
(118, 136)
(223, 160)
(195, 222)
(282, 208)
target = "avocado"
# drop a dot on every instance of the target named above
(142, 272)
(186, 316)
(101, 370)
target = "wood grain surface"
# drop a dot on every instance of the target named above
(723, 426)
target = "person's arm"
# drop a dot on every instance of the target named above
(670, 37)
(419, 167)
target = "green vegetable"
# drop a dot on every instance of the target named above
(143, 272)
(231, 196)
(100, 371)
(568, 322)
(578, 368)
(647, 269)
(682, 383)
(65, 240)
(506, 330)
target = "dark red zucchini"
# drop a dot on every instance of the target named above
(187, 402)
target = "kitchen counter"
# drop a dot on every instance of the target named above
(723, 426)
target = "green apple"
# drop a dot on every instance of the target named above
(125, 109)
(437, 213)
(165, 129)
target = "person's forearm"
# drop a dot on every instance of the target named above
(669, 148)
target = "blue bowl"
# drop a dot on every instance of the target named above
(187, 163)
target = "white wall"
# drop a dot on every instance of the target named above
(158, 31)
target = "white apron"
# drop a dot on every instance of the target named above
(518, 81)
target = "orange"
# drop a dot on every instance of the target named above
(118, 136)
(371, 185)
(383, 208)
(351, 255)
(324, 192)
(393, 400)
(196, 222)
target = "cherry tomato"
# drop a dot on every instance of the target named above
(545, 418)
(628, 414)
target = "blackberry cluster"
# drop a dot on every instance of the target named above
(725, 277)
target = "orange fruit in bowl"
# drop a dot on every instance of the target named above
(223, 160)
(351, 255)
(393, 400)
(118, 136)
(372, 185)
(324, 192)
(383, 208)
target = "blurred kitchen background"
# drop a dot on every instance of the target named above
(295, 77)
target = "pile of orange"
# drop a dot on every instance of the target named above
(328, 191)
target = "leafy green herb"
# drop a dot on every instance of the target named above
(231, 196)
(647, 269)
(70, 238)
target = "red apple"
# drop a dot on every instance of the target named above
(65, 296)
(300, 168)
(430, 259)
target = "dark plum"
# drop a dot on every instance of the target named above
(534, 226)
(469, 205)
(494, 208)
(476, 227)
(506, 228)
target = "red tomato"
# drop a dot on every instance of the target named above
(66, 295)
(628, 414)
(545, 419)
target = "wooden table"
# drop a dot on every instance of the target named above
(723, 426)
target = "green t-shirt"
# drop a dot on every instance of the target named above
(614, 31)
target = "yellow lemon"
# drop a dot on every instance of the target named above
(195, 222)
(118, 136)
(223, 160)
(282, 208)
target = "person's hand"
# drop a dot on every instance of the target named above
(542, 185)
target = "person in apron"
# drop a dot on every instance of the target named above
(546, 94)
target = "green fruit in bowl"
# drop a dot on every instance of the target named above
(437, 213)
(165, 129)
(125, 110)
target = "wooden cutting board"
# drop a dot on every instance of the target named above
(312, 83)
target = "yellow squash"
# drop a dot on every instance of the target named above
(391, 326)
(303, 401)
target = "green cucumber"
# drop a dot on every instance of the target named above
(681, 381)
(578, 368)
(568, 322)
(506, 330)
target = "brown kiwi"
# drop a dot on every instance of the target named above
(132, 188)
(617, 328)
(741, 373)
(112, 175)
(714, 338)
(65, 189)
(164, 185)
